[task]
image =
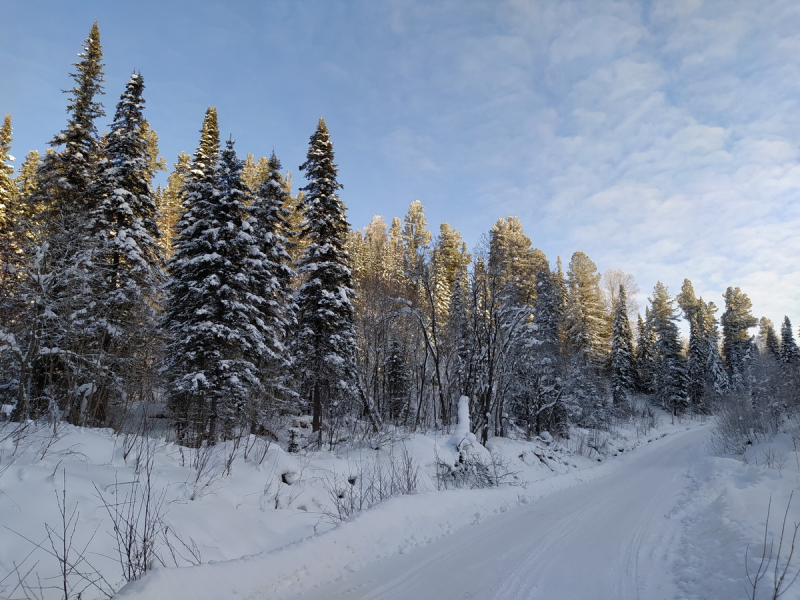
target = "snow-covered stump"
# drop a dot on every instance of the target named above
(466, 463)
(462, 433)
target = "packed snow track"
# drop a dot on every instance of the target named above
(610, 538)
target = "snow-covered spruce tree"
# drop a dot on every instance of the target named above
(394, 252)
(790, 362)
(767, 378)
(670, 364)
(272, 280)
(213, 316)
(789, 354)
(695, 312)
(737, 343)
(126, 273)
(716, 379)
(325, 343)
(623, 380)
(57, 368)
(645, 353)
(449, 264)
(542, 377)
(8, 189)
(588, 326)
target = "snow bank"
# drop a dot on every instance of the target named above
(394, 527)
(724, 510)
(268, 523)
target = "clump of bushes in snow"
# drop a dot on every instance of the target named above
(739, 424)
(368, 482)
(467, 464)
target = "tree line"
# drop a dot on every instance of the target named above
(241, 305)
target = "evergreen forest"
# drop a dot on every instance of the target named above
(234, 301)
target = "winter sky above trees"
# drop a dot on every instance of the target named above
(658, 137)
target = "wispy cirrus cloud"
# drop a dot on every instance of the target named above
(660, 137)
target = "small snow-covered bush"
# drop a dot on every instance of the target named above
(475, 467)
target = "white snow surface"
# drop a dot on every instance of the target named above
(657, 517)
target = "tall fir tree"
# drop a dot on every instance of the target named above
(212, 312)
(27, 182)
(127, 263)
(325, 343)
(543, 376)
(623, 379)
(670, 364)
(8, 190)
(788, 353)
(789, 360)
(272, 279)
(394, 251)
(10, 266)
(56, 370)
(450, 260)
(513, 260)
(737, 343)
(697, 360)
(66, 174)
(645, 353)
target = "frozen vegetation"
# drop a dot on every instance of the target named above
(652, 507)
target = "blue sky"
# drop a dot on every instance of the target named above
(659, 137)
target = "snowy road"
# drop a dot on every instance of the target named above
(611, 538)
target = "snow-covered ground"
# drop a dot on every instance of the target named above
(269, 526)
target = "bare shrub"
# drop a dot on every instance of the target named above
(370, 482)
(738, 425)
(137, 520)
(644, 418)
(142, 535)
(782, 578)
(774, 460)
(76, 574)
(591, 443)
(256, 448)
(209, 467)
